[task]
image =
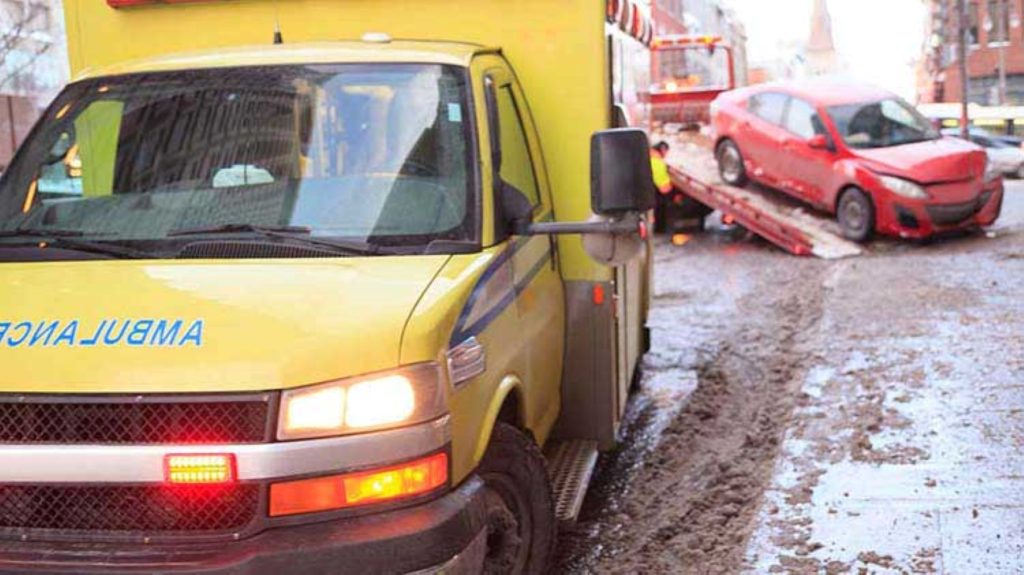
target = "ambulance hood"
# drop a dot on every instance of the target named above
(174, 327)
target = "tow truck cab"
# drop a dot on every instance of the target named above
(315, 305)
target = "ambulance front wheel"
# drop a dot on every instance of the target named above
(520, 505)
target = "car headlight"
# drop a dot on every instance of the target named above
(904, 188)
(991, 170)
(406, 396)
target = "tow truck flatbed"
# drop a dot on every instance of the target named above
(796, 228)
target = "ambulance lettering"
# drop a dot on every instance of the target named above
(146, 332)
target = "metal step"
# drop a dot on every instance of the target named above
(570, 466)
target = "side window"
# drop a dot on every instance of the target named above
(770, 107)
(803, 120)
(81, 161)
(516, 164)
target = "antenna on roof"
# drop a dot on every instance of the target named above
(278, 37)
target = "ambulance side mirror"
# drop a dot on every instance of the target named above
(620, 172)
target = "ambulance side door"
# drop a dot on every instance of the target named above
(539, 291)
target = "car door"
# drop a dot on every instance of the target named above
(539, 291)
(760, 136)
(807, 171)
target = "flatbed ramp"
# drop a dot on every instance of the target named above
(767, 213)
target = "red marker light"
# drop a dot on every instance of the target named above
(598, 294)
(195, 469)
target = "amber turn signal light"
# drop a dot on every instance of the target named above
(363, 488)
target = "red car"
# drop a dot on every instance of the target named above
(860, 153)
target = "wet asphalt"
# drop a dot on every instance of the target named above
(796, 415)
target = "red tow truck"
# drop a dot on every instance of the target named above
(688, 73)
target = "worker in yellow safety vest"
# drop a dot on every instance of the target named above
(663, 183)
(675, 210)
(660, 168)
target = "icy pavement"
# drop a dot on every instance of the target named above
(808, 416)
(904, 452)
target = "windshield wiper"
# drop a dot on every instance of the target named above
(43, 233)
(69, 239)
(239, 228)
(101, 248)
(294, 233)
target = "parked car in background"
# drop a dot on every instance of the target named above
(860, 153)
(1011, 140)
(1006, 157)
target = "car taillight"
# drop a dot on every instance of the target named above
(362, 488)
(195, 469)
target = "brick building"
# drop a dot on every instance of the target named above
(708, 17)
(994, 29)
(668, 17)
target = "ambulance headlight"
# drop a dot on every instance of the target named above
(406, 396)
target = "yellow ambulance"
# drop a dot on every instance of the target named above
(321, 286)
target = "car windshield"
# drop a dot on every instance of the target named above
(881, 124)
(374, 155)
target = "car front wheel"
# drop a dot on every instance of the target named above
(730, 164)
(856, 215)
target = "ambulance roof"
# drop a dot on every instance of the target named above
(451, 53)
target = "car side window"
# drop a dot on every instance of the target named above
(802, 119)
(770, 106)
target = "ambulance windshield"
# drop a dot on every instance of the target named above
(370, 154)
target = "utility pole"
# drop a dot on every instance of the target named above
(961, 10)
(1004, 35)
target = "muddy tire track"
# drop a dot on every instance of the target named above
(687, 504)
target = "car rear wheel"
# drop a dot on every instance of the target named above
(730, 164)
(856, 215)
(520, 506)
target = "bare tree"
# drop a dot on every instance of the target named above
(20, 37)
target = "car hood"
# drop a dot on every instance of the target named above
(931, 162)
(174, 327)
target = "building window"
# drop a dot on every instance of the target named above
(973, 32)
(997, 21)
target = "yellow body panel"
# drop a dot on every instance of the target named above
(266, 324)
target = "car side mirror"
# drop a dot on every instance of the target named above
(620, 172)
(819, 142)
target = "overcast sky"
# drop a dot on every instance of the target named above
(877, 39)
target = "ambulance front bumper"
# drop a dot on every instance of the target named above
(447, 535)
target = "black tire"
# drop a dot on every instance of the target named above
(730, 164)
(856, 215)
(520, 505)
